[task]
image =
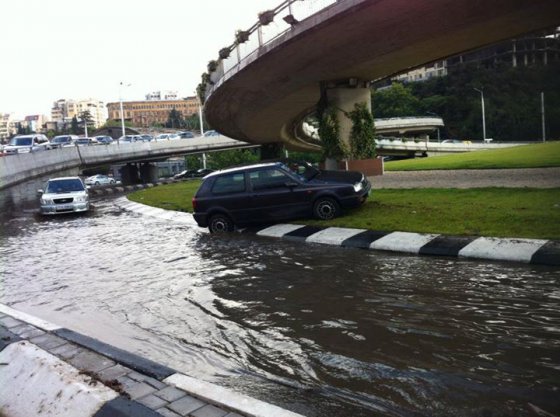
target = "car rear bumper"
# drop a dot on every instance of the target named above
(201, 219)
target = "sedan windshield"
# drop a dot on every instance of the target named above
(61, 139)
(20, 142)
(64, 186)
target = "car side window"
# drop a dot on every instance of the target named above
(269, 178)
(228, 184)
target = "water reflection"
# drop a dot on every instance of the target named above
(319, 330)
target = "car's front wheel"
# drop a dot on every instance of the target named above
(220, 223)
(96, 182)
(326, 208)
(112, 182)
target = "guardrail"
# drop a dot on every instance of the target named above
(271, 24)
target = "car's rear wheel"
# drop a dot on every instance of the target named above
(326, 208)
(220, 223)
(96, 182)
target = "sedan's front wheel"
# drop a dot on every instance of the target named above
(326, 208)
(220, 223)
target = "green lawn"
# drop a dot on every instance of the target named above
(500, 212)
(525, 156)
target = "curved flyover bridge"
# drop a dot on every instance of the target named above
(274, 75)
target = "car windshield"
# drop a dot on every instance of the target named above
(20, 141)
(61, 139)
(64, 186)
(304, 170)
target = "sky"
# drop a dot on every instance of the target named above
(74, 49)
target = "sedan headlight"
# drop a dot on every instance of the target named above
(358, 187)
(81, 199)
(46, 201)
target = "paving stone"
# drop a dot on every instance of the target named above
(91, 361)
(233, 415)
(186, 405)
(10, 322)
(134, 388)
(166, 412)
(136, 376)
(48, 341)
(170, 394)
(155, 383)
(152, 401)
(113, 372)
(67, 351)
(209, 411)
(25, 331)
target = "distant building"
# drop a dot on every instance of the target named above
(5, 126)
(149, 112)
(162, 95)
(64, 110)
(537, 49)
(36, 122)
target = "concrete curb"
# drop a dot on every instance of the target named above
(532, 251)
(122, 189)
(47, 369)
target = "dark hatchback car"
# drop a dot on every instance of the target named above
(270, 192)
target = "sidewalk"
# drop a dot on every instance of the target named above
(50, 370)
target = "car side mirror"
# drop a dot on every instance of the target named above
(88, 187)
(40, 192)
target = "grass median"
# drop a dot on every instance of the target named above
(540, 155)
(499, 212)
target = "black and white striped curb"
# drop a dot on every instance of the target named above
(533, 251)
(56, 371)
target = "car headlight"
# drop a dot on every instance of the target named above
(46, 201)
(358, 187)
(82, 199)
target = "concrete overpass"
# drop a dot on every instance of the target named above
(22, 167)
(265, 84)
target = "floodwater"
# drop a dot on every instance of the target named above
(315, 329)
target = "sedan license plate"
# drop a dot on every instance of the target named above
(64, 207)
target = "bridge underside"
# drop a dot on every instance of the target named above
(267, 97)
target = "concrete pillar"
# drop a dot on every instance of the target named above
(129, 174)
(148, 173)
(343, 100)
(272, 151)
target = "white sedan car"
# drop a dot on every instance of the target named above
(100, 180)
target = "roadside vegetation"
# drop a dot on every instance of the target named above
(499, 212)
(539, 155)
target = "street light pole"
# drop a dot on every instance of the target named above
(542, 118)
(122, 112)
(481, 91)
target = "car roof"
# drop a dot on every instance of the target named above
(242, 168)
(64, 178)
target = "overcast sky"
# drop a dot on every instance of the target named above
(76, 49)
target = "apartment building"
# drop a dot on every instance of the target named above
(149, 112)
(64, 110)
(5, 126)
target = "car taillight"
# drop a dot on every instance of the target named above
(194, 203)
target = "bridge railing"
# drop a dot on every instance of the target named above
(248, 43)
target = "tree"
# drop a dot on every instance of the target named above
(74, 126)
(175, 119)
(396, 101)
(225, 159)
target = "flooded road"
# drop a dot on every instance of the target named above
(315, 329)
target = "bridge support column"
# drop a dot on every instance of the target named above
(129, 174)
(148, 173)
(272, 151)
(343, 98)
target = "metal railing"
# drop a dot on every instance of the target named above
(285, 17)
